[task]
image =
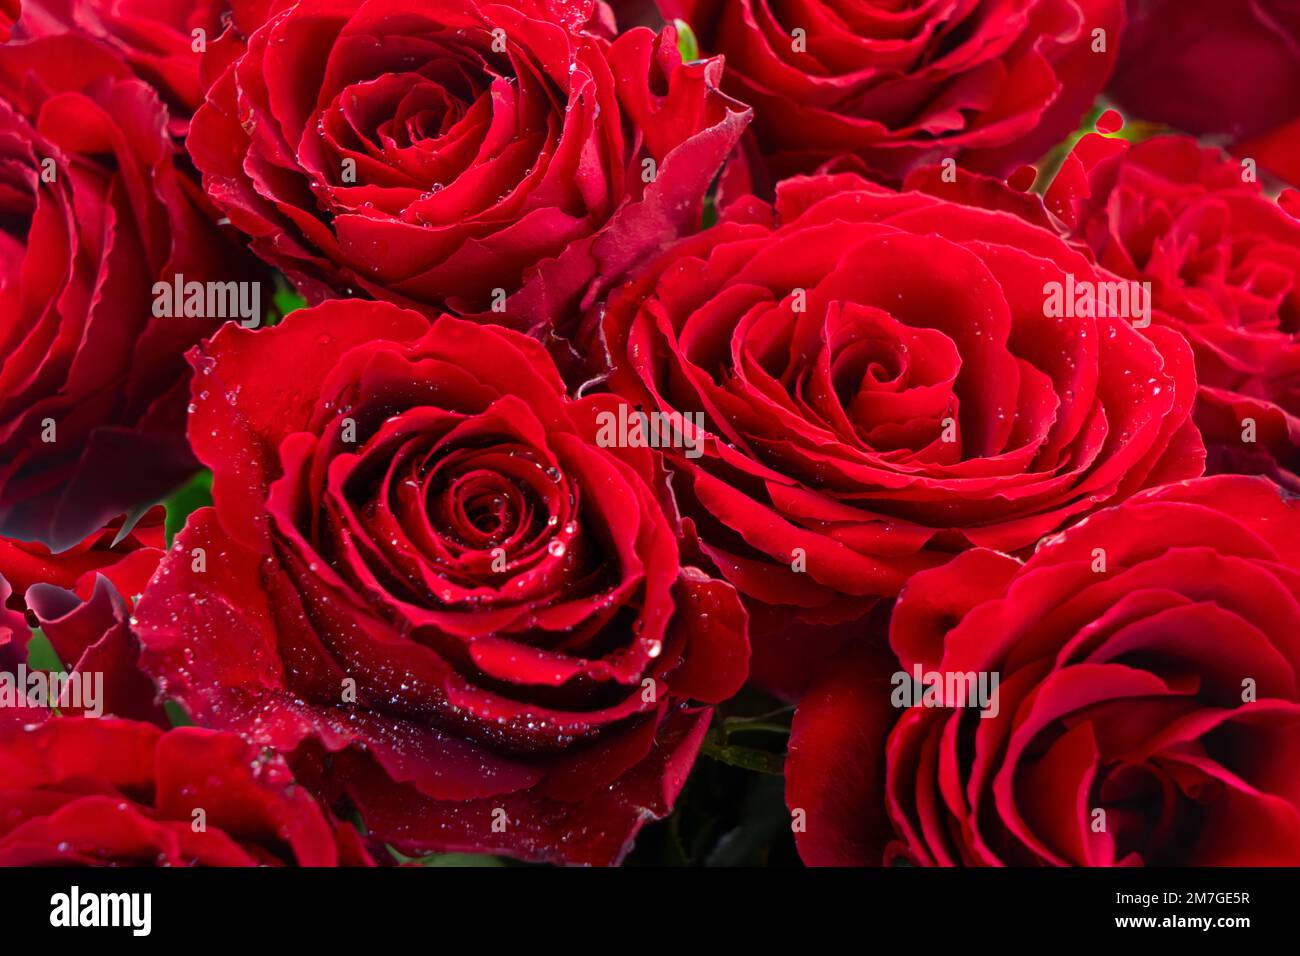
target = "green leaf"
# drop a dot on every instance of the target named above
(1135, 131)
(176, 714)
(776, 721)
(709, 212)
(1050, 164)
(284, 301)
(747, 758)
(194, 494)
(687, 44)
(41, 654)
(736, 725)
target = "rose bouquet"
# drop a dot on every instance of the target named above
(837, 432)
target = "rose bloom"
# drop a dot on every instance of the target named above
(489, 159)
(1223, 260)
(92, 385)
(880, 388)
(9, 10)
(1147, 710)
(77, 792)
(163, 41)
(81, 600)
(127, 558)
(425, 578)
(1215, 68)
(894, 85)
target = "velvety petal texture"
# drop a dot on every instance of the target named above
(1230, 71)
(14, 635)
(878, 387)
(127, 554)
(81, 600)
(94, 210)
(428, 580)
(498, 160)
(1147, 708)
(886, 86)
(163, 41)
(835, 770)
(498, 428)
(76, 792)
(1223, 260)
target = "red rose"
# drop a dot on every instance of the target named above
(483, 158)
(1146, 709)
(76, 599)
(14, 636)
(163, 42)
(1223, 260)
(81, 792)
(92, 386)
(9, 10)
(879, 387)
(92, 637)
(127, 563)
(992, 84)
(426, 576)
(1217, 68)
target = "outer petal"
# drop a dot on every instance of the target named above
(835, 770)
